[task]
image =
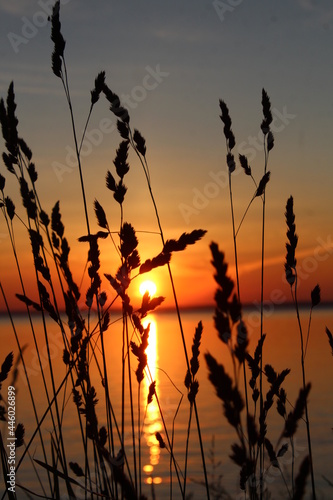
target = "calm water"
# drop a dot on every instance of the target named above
(167, 367)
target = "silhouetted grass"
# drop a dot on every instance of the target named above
(104, 465)
(251, 429)
(110, 463)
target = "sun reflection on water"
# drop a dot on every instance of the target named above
(152, 422)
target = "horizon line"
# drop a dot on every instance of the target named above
(189, 308)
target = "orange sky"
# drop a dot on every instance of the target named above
(192, 270)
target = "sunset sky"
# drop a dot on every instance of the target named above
(171, 62)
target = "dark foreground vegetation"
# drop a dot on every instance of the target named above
(110, 465)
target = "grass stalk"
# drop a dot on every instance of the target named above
(131, 406)
(64, 80)
(186, 448)
(123, 385)
(170, 445)
(307, 422)
(139, 437)
(234, 237)
(261, 451)
(292, 465)
(261, 459)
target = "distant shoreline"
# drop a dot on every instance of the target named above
(287, 306)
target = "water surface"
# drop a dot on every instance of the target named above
(167, 367)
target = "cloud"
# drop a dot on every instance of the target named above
(306, 5)
(29, 79)
(326, 251)
(321, 13)
(173, 36)
(17, 8)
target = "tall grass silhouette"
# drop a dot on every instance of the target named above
(251, 427)
(106, 468)
(109, 464)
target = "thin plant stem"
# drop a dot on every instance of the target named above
(244, 215)
(139, 437)
(290, 496)
(307, 423)
(106, 384)
(261, 333)
(262, 312)
(173, 422)
(292, 464)
(173, 434)
(131, 406)
(234, 236)
(123, 388)
(66, 88)
(186, 449)
(169, 443)
(308, 334)
(85, 128)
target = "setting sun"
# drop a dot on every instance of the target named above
(148, 286)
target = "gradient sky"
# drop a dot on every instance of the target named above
(201, 51)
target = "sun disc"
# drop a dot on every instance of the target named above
(148, 286)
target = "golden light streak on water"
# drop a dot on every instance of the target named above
(152, 422)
